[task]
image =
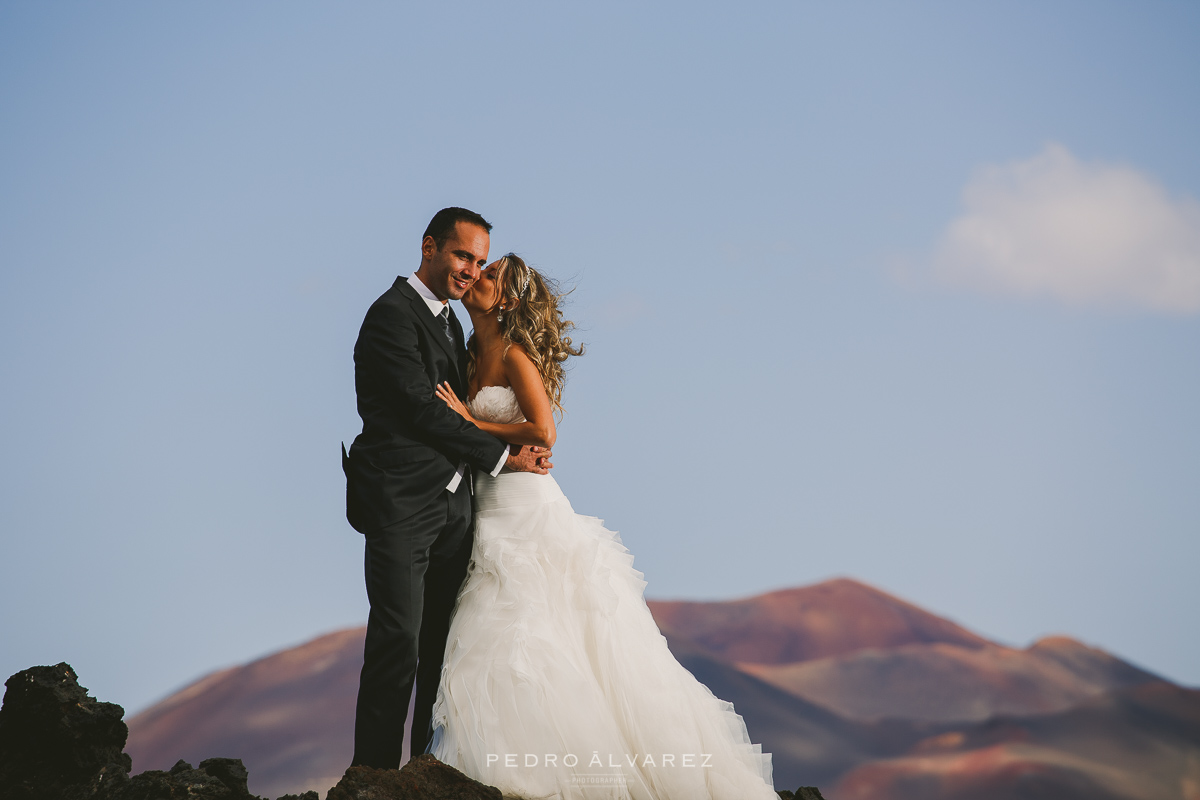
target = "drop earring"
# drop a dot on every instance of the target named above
(500, 315)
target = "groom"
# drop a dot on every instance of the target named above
(408, 482)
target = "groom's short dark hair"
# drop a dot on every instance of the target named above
(443, 222)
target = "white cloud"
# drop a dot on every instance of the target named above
(1082, 233)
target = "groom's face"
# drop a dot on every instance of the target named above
(455, 266)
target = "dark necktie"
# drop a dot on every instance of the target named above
(444, 318)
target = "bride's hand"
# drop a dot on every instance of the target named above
(447, 394)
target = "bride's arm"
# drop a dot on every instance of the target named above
(526, 383)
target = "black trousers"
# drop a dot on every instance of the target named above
(414, 569)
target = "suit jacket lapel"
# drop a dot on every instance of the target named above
(427, 319)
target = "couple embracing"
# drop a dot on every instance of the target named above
(538, 667)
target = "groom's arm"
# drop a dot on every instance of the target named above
(387, 343)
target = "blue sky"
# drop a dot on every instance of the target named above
(901, 292)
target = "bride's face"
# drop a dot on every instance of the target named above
(484, 294)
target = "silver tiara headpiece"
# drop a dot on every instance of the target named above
(525, 285)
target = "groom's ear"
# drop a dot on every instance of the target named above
(429, 247)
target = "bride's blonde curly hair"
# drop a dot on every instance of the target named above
(535, 322)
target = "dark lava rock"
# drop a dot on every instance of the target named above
(803, 793)
(214, 779)
(423, 778)
(229, 771)
(56, 742)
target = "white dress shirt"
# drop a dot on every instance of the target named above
(435, 307)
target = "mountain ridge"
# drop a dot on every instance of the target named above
(289, 714)
(834, 617)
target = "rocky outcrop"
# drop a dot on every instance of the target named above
(803, 793)
(423, 778)
(426, 778)
(214, 779)
(56, 742)
(59, 743)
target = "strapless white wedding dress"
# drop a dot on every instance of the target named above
(556, 681)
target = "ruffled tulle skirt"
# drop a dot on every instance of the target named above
(557, 682)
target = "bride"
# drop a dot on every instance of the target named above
(556, 681)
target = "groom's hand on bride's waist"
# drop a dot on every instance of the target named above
(530, 459)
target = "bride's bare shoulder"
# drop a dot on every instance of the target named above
(516, 353)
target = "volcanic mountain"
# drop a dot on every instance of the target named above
(848, 687)
(834, 618)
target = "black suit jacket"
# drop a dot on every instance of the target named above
(411, 442)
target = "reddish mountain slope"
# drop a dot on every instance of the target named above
(289, 717)
(833, 651)
(1133, 744)
(833, 618)
(948, 682)
(809, 745)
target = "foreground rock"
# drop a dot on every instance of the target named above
(214, 779)
(426, 778)
(59, 743)
(423, 778)
(803, 793)
(56, 742)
